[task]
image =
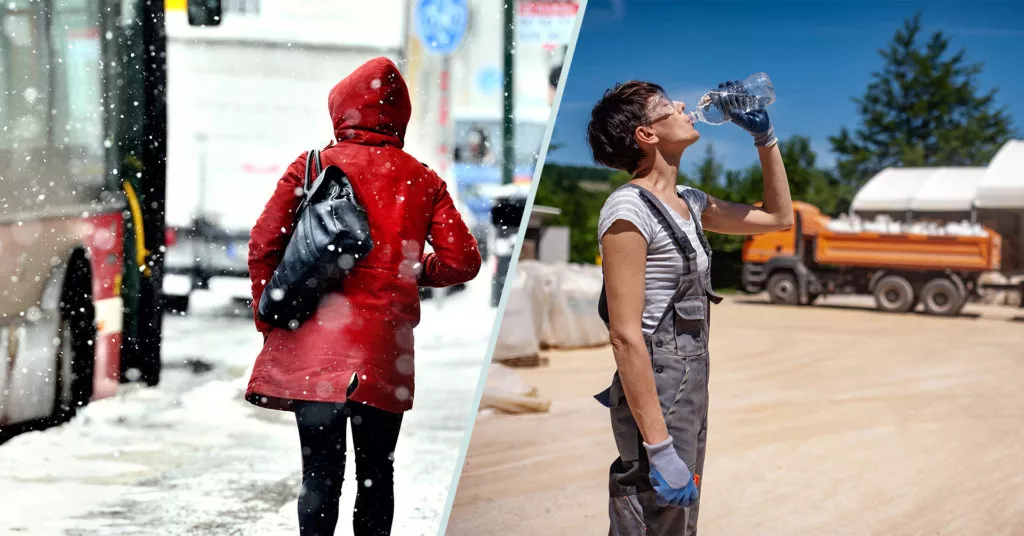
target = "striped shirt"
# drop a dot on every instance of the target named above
(664, 262)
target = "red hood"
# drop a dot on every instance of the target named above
(371, 106)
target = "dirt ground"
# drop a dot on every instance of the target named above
(831, 419)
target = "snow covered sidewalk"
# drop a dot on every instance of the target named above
(192, 457)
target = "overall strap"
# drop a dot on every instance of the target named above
(679, 236)
(690, 201)
(681, 240)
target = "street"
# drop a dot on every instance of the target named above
(190, 456)
(833, 419)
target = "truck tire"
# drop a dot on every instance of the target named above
(782, 288)
(894, 294)
(959, 282)
(942, 297)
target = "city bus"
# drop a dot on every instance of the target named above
(82, 172)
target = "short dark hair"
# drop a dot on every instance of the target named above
(613, 121)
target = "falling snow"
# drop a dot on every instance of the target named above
(190, 456)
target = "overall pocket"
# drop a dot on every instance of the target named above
(627, 517)
(690, 314)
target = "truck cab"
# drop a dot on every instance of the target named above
(758, 250)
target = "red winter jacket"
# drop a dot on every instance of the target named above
(361, 337)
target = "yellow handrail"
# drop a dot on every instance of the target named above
(140, 237)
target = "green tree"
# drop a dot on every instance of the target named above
(711, 177)
(923, 108)
(810, 183)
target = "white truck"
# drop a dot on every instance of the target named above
(245, 98)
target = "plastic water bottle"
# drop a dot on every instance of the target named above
(759, 94)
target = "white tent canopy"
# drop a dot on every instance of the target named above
(1003, 183)
(933, 189)
(948, 190)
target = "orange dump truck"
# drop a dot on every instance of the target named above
(900, 269)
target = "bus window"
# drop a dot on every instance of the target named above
(25, 102)
(25, 95)
(78, 151)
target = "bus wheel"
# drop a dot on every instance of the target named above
(782, 288)
(941, 296)
(76, 350)
(893, 294)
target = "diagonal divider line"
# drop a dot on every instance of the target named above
(511, 272)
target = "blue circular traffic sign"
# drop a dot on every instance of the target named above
(441, 24)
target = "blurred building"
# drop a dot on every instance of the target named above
(463, 139)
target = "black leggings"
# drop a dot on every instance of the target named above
(322, 437)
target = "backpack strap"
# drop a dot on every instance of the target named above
(313, 169)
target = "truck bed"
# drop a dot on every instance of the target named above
(909, 251)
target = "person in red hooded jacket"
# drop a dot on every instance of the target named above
(353, 359)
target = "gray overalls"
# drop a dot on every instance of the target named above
(679, 357)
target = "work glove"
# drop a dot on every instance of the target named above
(672, 481)
(732, 97)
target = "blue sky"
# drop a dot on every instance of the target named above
(819, 55)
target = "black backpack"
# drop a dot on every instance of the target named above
(330, 234)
